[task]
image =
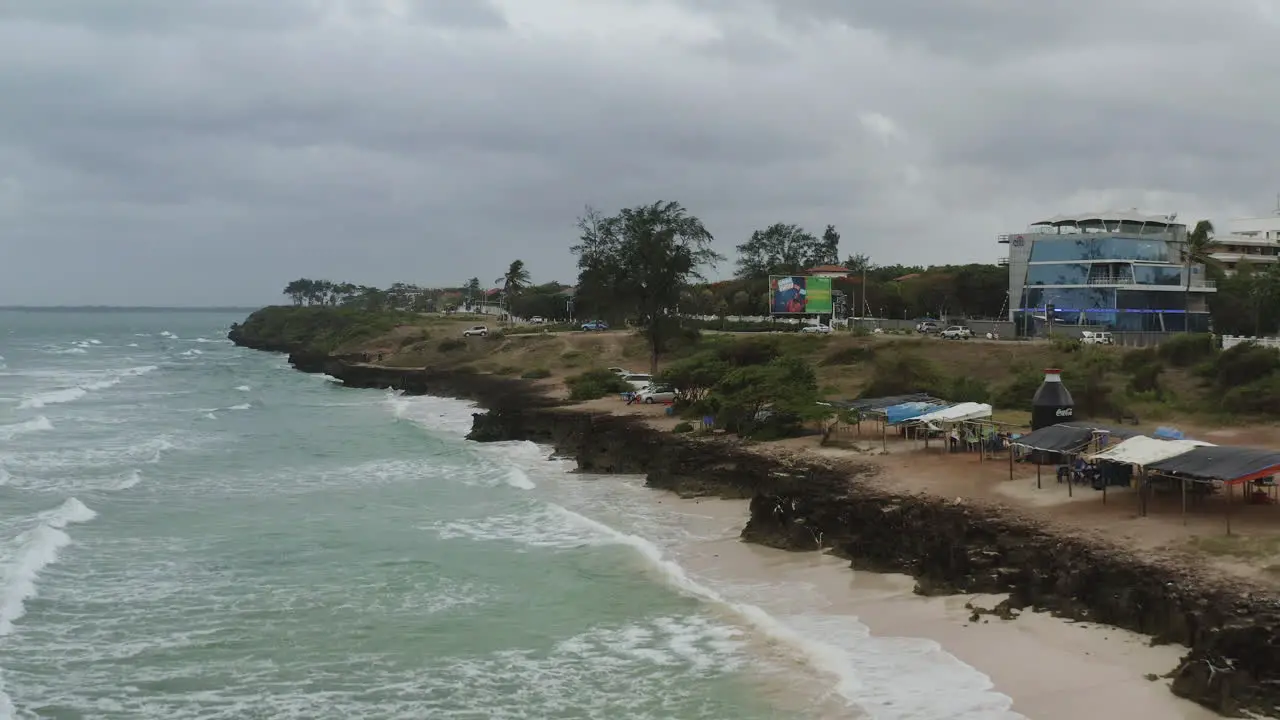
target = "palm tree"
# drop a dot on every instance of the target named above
(513, 282)
(1198, 251)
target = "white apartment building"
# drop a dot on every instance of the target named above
(1249, 240)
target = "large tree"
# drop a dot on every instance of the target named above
(514, 280)
(1198, 251)
(829, 251)
(636, 264)
(780, 249)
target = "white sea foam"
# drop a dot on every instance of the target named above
(8, 432)
(241, 406)
(517, 479)
(167, 334)
(124, 483)
(433, 413)
(102, 381)
(34, 550)
(191, 353)
(243, 388)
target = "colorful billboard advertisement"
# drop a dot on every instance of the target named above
(799, 295)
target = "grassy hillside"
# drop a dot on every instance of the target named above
(1184, 378)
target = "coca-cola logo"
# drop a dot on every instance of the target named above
(1063, 412)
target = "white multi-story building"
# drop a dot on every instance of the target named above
(1120, 270)
(1249, 240)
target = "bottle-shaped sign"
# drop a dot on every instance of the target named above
(1052, 402)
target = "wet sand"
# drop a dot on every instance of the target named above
(1053, 669)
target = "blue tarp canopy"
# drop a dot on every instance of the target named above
(906, 411)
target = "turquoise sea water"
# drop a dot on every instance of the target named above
(193, 530)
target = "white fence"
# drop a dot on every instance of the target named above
(1230, 341)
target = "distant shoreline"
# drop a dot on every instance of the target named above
(125, 308)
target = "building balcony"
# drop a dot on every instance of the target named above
(1002, 262)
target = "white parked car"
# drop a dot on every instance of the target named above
(476, 331)
(820, 329)
(537, 320)
(1090, 337)
(638, 381)
(656, 394)
(956, 332)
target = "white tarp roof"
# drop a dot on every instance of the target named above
(1143, 450)
(956, 413)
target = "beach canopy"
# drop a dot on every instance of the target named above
(881, 403)
(1143, 451)
(1113, 431)
(1056, 438)
(957, 413)
(895, 414)
(1222, 462)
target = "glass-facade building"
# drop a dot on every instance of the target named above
(1117, 271)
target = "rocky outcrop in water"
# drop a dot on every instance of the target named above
(948, 546)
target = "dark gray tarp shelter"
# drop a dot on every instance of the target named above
(881, 403)
(1222, 462)
(1116, 432)
(1056, 438)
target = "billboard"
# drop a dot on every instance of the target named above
(799, 295)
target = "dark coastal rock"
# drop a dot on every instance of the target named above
(948, 546)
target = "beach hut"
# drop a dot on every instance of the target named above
(1141, 452)
(1052, 442)
(949, 419)
(1228, 465)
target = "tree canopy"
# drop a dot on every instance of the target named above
(783, 249)
(637, 262)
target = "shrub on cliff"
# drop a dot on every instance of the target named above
(772, 400)
(692, 378)
(903, 373)
(594, 384)
(536, 374)
(452, 345)
(319, 329)
(1243, 364)
(1187, 350)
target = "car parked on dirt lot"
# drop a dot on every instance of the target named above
(927, 326)
(822, 329)
(638, 381)
(476, 331)
(595, 325)
(1093, 337)
(656, 394)
(956, 332)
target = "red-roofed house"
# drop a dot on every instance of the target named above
(828, 271)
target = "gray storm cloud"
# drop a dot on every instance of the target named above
(206, 152)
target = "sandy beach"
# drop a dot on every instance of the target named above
(1053, 669)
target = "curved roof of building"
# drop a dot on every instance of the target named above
(1109, 216)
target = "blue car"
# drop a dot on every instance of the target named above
(595, 325)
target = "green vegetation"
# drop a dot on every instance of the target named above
(636, 263)
(452, 345)
(319, 328)
(594, 384)
(683, 427)
(536, 374)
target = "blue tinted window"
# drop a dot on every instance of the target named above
(1083, 246)
(1150, 300)
(1072, 300)
(1057, 274)
(1157, 275)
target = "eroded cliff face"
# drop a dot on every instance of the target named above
(949, 546)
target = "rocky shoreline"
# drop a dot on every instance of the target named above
(949, 546)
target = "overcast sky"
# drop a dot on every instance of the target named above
(207, 151)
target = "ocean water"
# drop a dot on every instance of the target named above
(193, 530)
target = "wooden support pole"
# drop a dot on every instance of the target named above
(1182, 483)
(1010, 461)
(1229, 493)
(1037, 473)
